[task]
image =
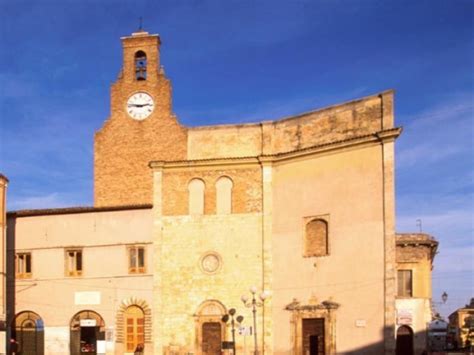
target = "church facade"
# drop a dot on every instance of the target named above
(187, 219)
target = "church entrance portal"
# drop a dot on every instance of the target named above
(313, 336)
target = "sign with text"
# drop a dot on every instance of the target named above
(88, 322)
(404, 316)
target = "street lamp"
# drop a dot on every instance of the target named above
(444, 298)
(239, 319)
(253, 303)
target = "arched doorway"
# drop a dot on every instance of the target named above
(210, 331)
(86, 329)
(134, 326)
(28, 331)
(404, 340)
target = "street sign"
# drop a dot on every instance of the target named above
(243, 330)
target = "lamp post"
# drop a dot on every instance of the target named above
(254, 303)
(239, 319)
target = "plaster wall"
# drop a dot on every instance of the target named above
(421, 277)
(105, 284)
(346, 188)
(420, 308)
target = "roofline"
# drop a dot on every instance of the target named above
(299, 115)
(75, 210)
(4, 177)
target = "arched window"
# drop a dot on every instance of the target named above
(28, 331)
(316, 238)
(134, 318)
(224, 195)
(196, 196)
(140, 65)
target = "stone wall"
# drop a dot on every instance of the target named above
(340, 122)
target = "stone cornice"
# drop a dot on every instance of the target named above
(325, 305)
(377, 137)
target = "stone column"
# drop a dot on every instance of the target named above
(267, 266)
(157, 307)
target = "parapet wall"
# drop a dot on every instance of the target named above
(335, 123)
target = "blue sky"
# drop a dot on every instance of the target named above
(244, 61)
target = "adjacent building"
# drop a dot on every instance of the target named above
(187, 219)
(415, 255)
(462, 322)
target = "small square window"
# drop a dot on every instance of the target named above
(73, 262)
(23, 265)
(136, 260)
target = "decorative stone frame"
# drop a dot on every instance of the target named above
(210, 253)
(119, 320)
(208, 311)
(325, 310)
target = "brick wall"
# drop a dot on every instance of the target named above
(246, 191)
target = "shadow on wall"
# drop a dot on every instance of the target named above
(407, 342)
(11, 285)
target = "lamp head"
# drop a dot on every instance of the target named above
(244, 298)
(240, 319)
(232, 311)
(444, 297)
(253, 290)
(225, 318)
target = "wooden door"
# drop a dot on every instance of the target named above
(313, 336)
(135, 329)
(404, 341)
(211, 338)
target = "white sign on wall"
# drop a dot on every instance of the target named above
(243, 330)
(88, 322)
(101, 347)
(87, 298)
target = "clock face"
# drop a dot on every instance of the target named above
(140, 105)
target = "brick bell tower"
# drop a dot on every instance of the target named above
(141, 127)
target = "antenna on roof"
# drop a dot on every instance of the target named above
(140, 27)
(419, 225)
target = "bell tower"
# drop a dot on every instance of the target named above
(141, 126)
(141, 56)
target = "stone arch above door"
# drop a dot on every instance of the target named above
(210, 311)
(119, 321)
